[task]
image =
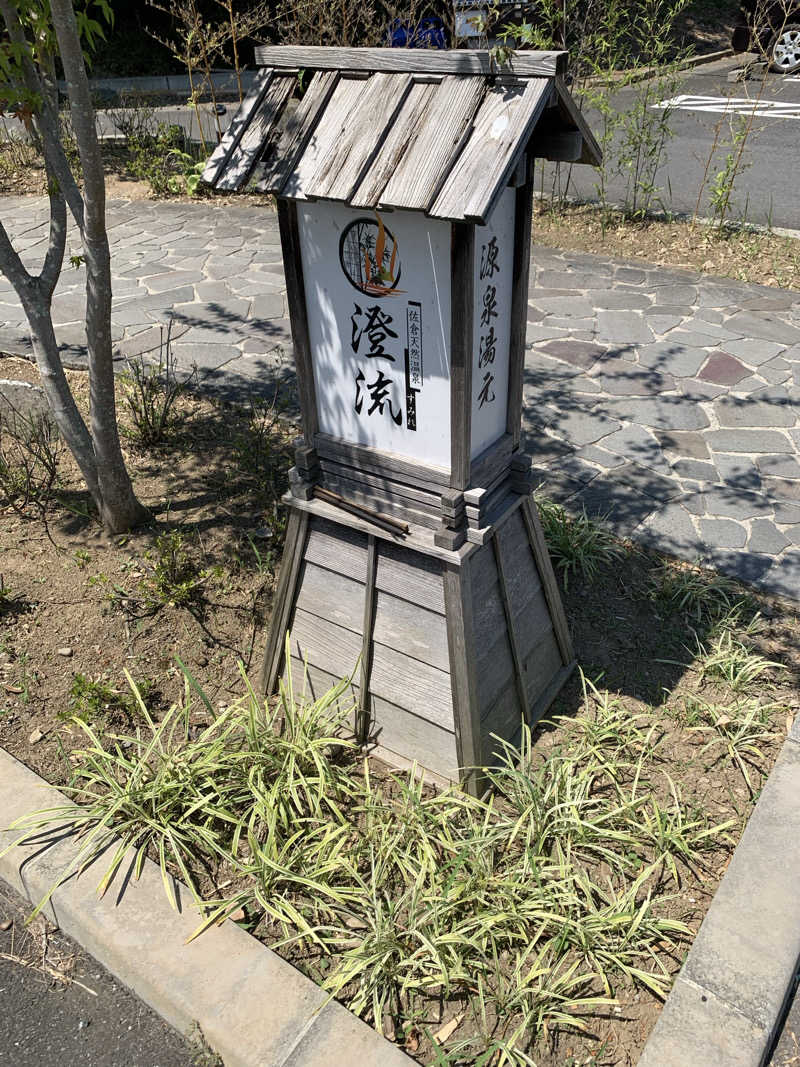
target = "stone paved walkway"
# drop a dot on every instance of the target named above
(664, 400)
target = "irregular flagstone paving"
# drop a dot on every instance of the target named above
(663, 400)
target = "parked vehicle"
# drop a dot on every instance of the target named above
(771, 29)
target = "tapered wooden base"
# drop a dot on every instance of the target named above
(447, 650)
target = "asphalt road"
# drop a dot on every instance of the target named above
(45, 1022)
(766, 191)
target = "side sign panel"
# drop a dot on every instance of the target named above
(494, 258)
(378, 300)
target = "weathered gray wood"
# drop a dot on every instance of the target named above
(310, 684)
(501, 131)
(296, 299)
(492, 463)
(400, 507)
(325, 645)
(271, 174)
(547, 575)
(368, 622)
(337, 548)
(331, 595)
(394, 146)
(339, 173)
(399, 732)
(254, 137)
(516, 656)
(230, 138)
(413, 630)
(462, 299)
(413, 685)
(541, 665)
(296, 531)
(411, 576)
(461, 639)
(375, 461)
(549, 694)
(519, 306)
(424, 61)
(393, 486)
(330, 128)
(591, 152)
(436, 142)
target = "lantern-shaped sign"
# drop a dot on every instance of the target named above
(414, 560)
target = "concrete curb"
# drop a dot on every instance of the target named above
(727, 1004)
(253, 1008)
(643, 73)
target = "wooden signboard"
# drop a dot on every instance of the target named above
(415, 562)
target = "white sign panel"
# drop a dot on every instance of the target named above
(378, 299)
(494, 260)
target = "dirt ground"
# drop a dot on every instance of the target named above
(77, 604)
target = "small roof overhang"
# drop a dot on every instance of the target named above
(431, 131)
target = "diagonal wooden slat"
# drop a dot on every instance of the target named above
(271, 173)
(339, 173)
(257, 133)
(435, 144)
(394, 146)
(503, 126)
(332, 124)
(230, 138)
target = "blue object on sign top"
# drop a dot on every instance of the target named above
(427, 33)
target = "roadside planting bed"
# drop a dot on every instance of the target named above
(541, 924)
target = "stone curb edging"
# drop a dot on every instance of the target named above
(253, 1008)
(643, 73)
(726, 1006)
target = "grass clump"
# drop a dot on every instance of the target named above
(578, 545)
(509, 915)
(150, 393)
(176, 578)
(95, 702)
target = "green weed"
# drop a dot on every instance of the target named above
(578, 545)
(95, 702)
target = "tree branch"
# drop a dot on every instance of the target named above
(11, 265)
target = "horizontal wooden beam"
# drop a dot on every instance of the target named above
(409, 60)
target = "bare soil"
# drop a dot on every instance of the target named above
(77, 602)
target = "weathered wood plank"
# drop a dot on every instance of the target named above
(544, 565)
(296, 531)
(394, 486)
(541, 665)
(410, 684)
(424, 61)
(337, 548)
(272, 173)
(339, 173)
(591, 152)
(253, 139)
(378, 462)
(411, 737)
(508, 612)
(368, 623)
(310, 683)
(411, 629)
(523, 220)
(325, 645)
(230, 138)
(329, 130)
(296, 299)
(503, 126)
(462, 290)
(411, 576)
(332, 596)
(461, 639)
(383, 501)
(394, 146)
(492, 462)
(435, 145)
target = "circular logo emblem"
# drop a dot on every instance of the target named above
(369, 257)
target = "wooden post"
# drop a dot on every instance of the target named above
(519, 304)
(362, 722)
(296, 298)
(294, 547)
(460, 643)
(462, 303)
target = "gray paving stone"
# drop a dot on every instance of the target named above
(783, 576)
(560, 279)
(600, 456)
(684, 443)
(616, 504)
(743, 565)
(754, 352)
(682, 361)
(204, 356)
(695, 469)
(781, 488)
(738, 472)
(749, 441)
(786, 514)
(571, 306)
(636, 476)
(621, 377)
(582, 427)
(736, 503)
(693, 337)
(766, 326)
(780, 466)
(536, 332)
(670, 528)
(698, 390)
(739, 411)
(722, 533)
(776, 371)
(658, 413)
(578, 353)
(676, 294)
(609, 300)
(766, 538)
(637, 444)
(661, 324)
(622, 327)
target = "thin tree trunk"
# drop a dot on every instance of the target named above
(119, 507)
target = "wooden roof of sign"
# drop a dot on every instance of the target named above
(431, 131)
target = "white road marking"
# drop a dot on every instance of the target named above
(732, 105)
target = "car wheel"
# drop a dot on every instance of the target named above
(784, 49)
